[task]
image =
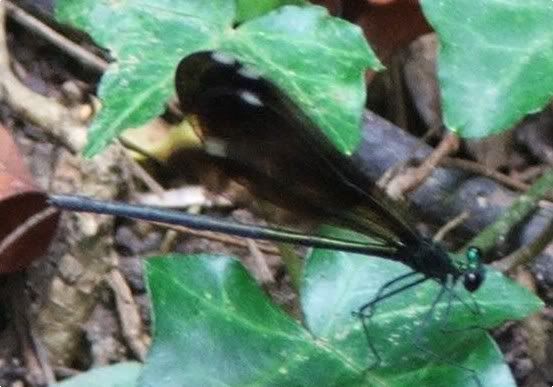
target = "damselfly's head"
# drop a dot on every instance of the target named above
(474, 272)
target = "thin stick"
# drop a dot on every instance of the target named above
(139, 172)
(532, 173)
(129, 316)
(480, 169)
(43, 111)
(33, 353)
(452, 224)
(407, 182)
(526, 253)
(475, 167)
(85, 57)
(261, 269)
(227, 239)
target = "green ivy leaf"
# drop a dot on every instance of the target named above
(147, 39)
(412, 351)
(317, 59)
(213, 326)
(495, 61)
(118, 375)
(250, 9)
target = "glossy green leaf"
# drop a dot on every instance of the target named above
(250, 9)
(323, 71)
(118, 375)
(317, 59)
(338, 283)
(213, 326)
(147, 39)
(495, 61)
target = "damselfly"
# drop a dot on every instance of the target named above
(261, 138)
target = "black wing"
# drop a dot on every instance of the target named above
(267, 143)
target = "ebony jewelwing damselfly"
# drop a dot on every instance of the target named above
(260, 137)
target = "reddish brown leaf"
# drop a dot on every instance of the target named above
(27, 224)
(388, 24)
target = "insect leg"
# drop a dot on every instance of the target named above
(381, 294)
(426, 321)
(474, 309)
(365, 317)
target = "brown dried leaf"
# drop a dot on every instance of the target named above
(388, 24)
(27, 225)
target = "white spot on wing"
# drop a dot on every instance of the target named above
(249, 72)
(215, 147)
(250, 98)
(222, 58)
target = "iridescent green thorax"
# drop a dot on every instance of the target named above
(474, 258)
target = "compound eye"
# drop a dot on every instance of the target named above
(472, 280)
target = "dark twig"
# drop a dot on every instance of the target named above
(129, 316)
(452, 224)
(264, 247)
(33, 24)
(414, 177)
(45, 112)
(477, 168)
(526, 253)
(33, 354)
(532, 172)
(260, 268)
